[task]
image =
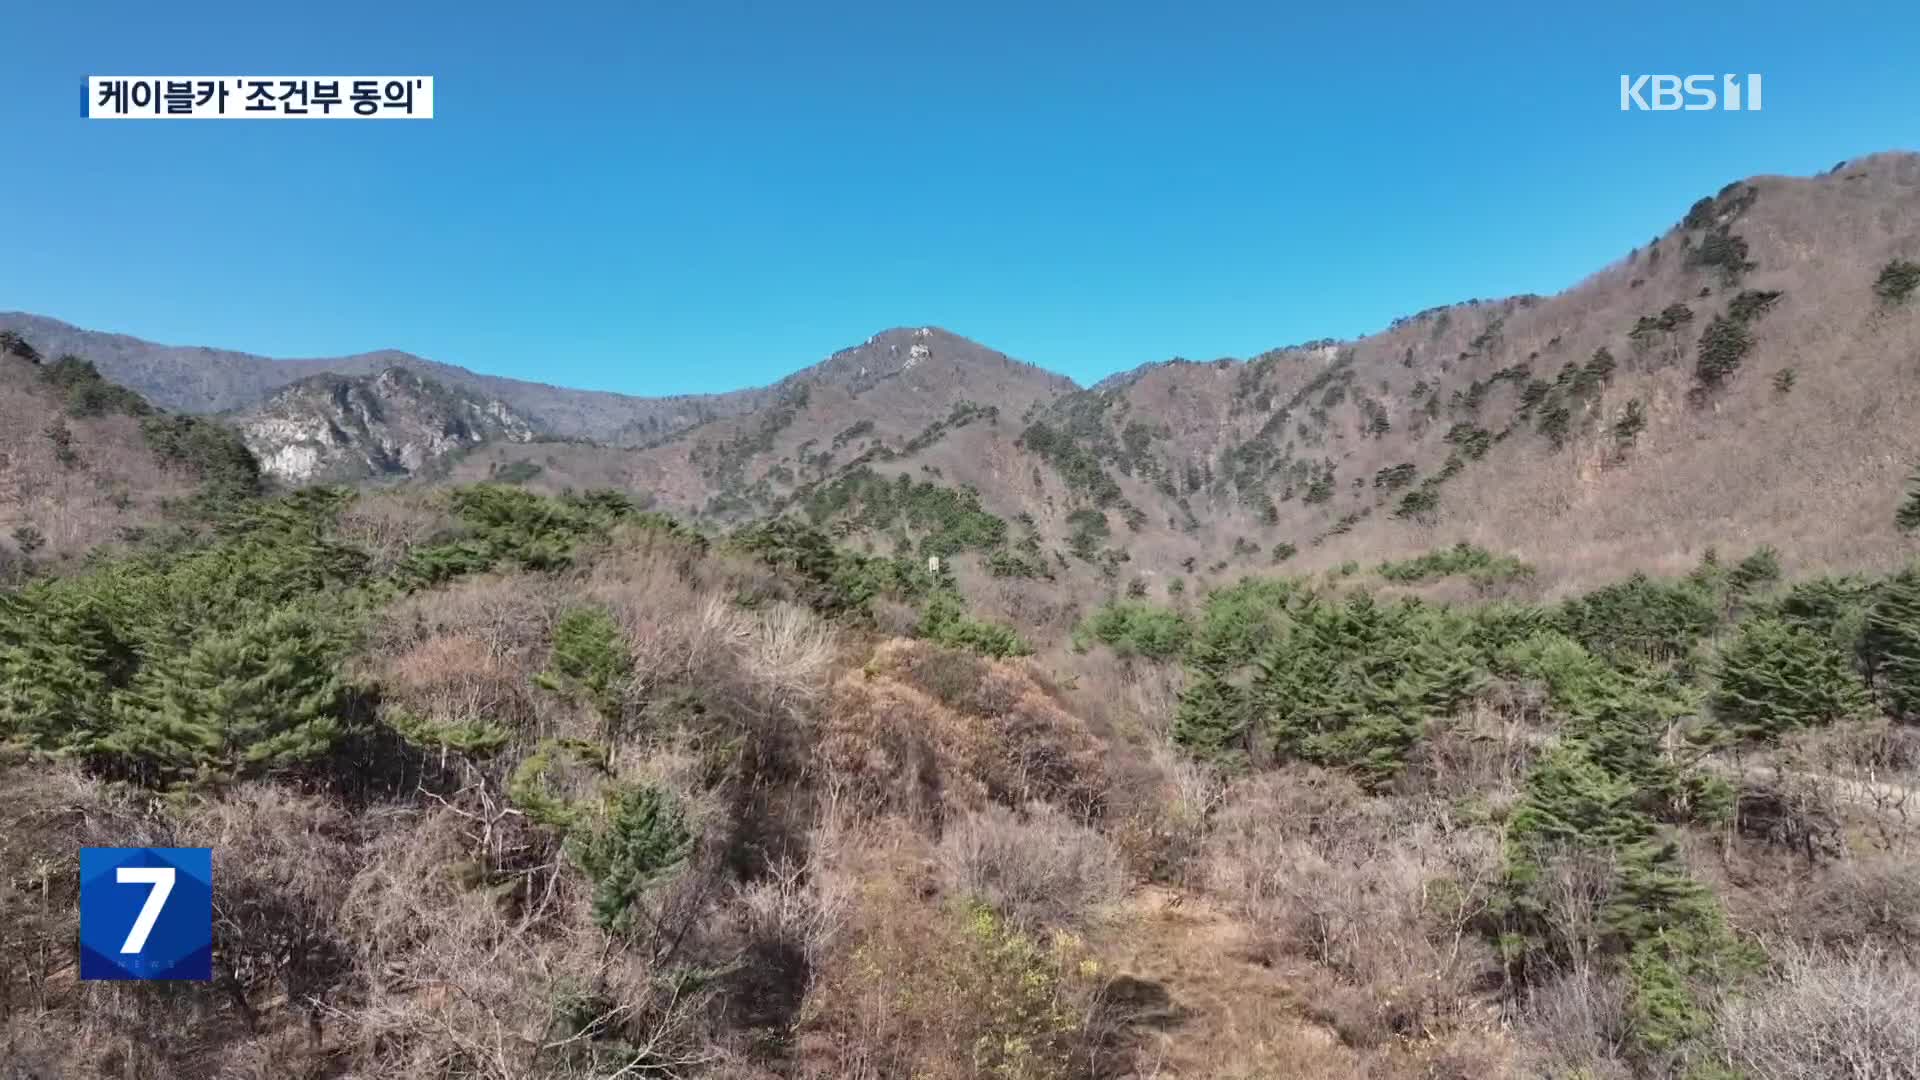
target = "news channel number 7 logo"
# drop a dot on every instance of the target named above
(146, 913)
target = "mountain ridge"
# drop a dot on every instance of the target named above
(1507, 423)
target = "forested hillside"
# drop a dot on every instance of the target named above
(1532, 690)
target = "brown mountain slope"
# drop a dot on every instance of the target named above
(83, 462)
(1810, 461)
(924, 398)
(1580, 431)
(1495, 417)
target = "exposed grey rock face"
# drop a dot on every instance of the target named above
(390, 424)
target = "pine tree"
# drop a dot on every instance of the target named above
(1891, 644)
(591, 659)
(1774, 678)
(642, 841)
(1907, 518)
(1354, 684)
(254, 699)
(56, 657)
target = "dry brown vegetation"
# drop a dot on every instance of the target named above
(906, 860)
(51, 510)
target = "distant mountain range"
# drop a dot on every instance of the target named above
(197, 379)
(1745, 378)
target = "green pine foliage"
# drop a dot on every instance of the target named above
(1897, 281)
(1463, 559)
(195, 664)
(590, 661)
(263, 697)
(1724, 345)
(502, 524)
(1353, 684)
(641, 840)
(1641, 620)
(1754, 574)
(212, 453)
(948, 521)
(1600, 793)
(1087, 530)
(1833, 607)
(833, 580)
(1136, 628)
(945, 621)
(1021, 560)
(1907, 517)
(88, 393)
(60, 663)
(1214, 717)
(1890, 643)
(1633, 420)
(1774, 677)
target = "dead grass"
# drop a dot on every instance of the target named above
(892, 742)
(1828, 1016)
(1040, 871)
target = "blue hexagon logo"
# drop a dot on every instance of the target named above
(146, 913)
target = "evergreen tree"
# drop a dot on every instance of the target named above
(1774, 677)
(1907, 518)
(1633, 420)
(1354, 684)
(643, 839)
(1723, 345)
(258, 698)
(591, 660)
(56, 655)
(1754, 573)
(1891, 644)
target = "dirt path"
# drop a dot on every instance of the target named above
(1205, 1006)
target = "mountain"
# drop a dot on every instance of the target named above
(1739, 380)
(197, 379)
(546, 785)
(395, 423)
(950, 406)
(85, 462)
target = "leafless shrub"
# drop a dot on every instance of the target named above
(511, 615)
(1850, 1015)
(931, 992)
(1576, 1027)
(1869, 767)
(1574, 884)
(1385, 893)
(1482, 754)
(458, 679)
(794, 909)
(1158, 809)
(888, 743)
(1872, 899)
(1040, 871)
(387, 526)
(283, 863)
(788, 652)
(1793, 810)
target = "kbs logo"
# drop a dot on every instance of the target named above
(1694, 93)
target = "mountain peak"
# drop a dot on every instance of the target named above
(396, 421)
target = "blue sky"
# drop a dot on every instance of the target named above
(695, 195)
